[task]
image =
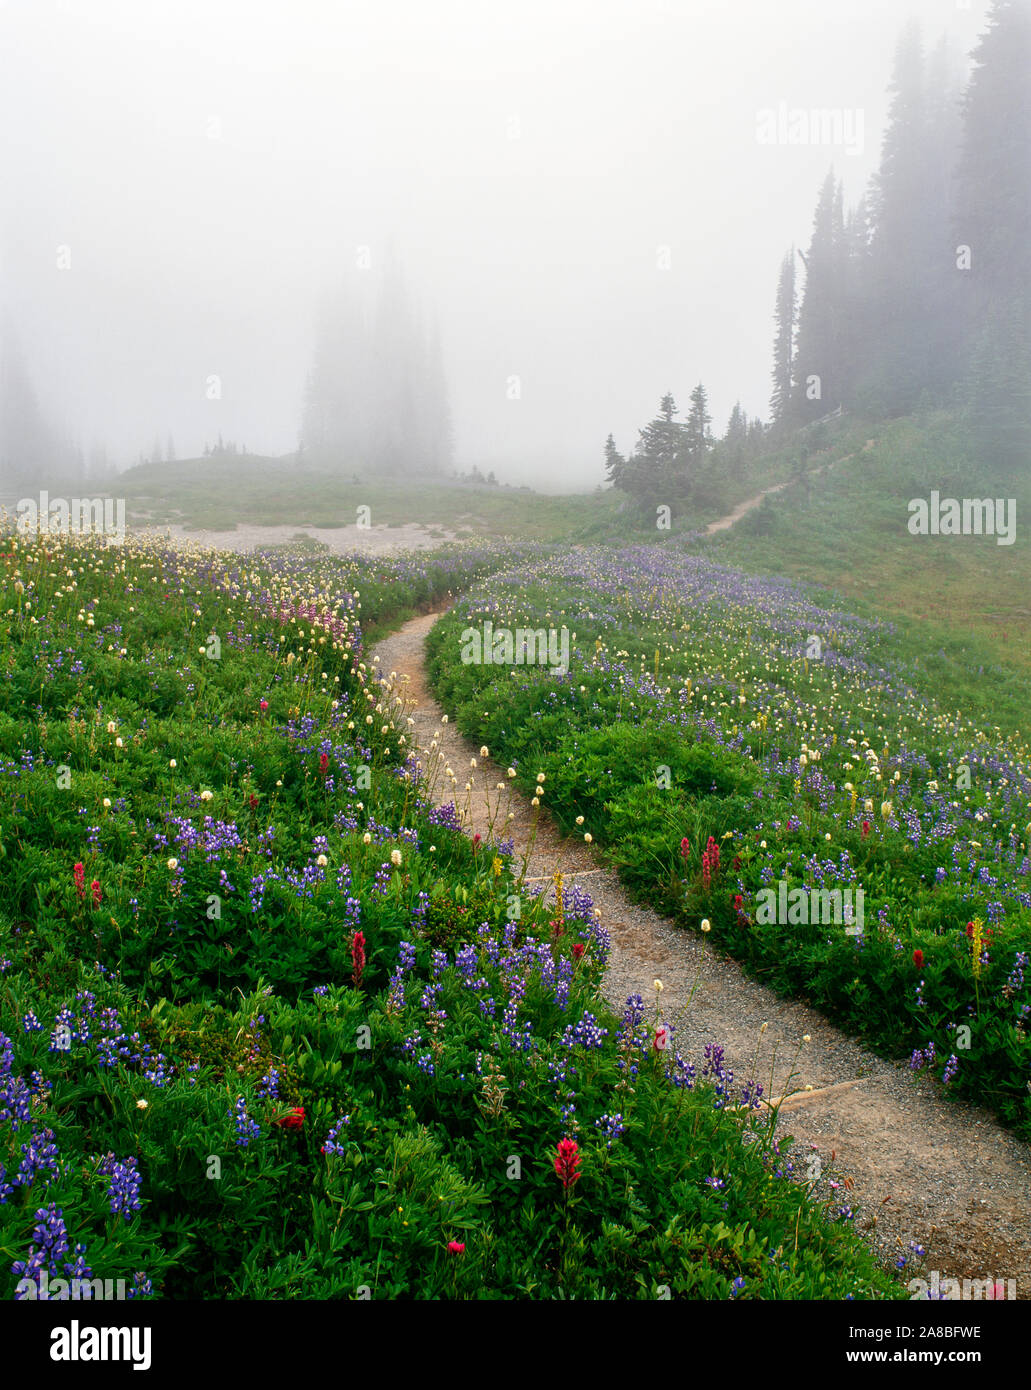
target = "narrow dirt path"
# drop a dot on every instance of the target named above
(923, 1169)
(743, 508)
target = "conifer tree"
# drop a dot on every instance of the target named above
(993, 219)
(697, 432)
(818, 376)
(784, 342)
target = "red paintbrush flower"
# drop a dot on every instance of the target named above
(294, 1119)
(263, 705)
(95, 890)
(79, 874)
(578, 949)
(918, 959)
(738, 902)
(358, 957)
(252, 802)
(567, 1162)
(455, 1247)
(323, 763)
(866, 828)
(710, 862)
(685, 847)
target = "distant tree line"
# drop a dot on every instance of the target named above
(224, 448)
(918, 296)
(921, 293)
(476, 476)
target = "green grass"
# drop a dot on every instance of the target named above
(219, 493)
(967, 594)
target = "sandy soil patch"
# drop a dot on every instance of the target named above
(342, 540)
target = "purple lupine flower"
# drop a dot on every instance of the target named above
(123, 1190)
(39, 1155)
(49, 1243)
(332, 1144)
(246, 1129)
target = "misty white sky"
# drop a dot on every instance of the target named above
(214, 164)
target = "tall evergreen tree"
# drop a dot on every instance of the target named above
(697, 432)
(657, 469)
(993, 219)
(906, 247)
(785, 315)
(615, 463)
(818, 386)
(854, 338)
(31, 448)
(735, 441)
(376, 397)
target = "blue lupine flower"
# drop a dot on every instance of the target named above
(246, 1129)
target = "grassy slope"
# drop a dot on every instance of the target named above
(966, 594)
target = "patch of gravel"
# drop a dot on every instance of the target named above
(342, 540)
(945, 1175)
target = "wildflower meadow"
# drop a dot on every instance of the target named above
(729, 742)
(269, 1027)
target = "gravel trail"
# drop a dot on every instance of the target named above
(922, 1168)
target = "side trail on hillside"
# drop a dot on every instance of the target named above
(916, 1167)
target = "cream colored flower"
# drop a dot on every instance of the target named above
(395, 858)
(173, 864)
